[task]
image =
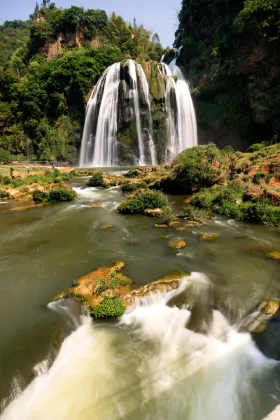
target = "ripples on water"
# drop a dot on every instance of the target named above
(148, 366)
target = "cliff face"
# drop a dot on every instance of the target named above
(230, 53)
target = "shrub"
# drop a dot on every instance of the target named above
(4, 194)
(131, 206)
(96, 180)
(6, 180)
(259, 176)
(133, 173)
(142, 201)
(196, 214)
(132, 187)
(5, 156)
(167, 216)
(61, 194)
(196, 166)
(40, 196)
(108, 308)
(113, 281)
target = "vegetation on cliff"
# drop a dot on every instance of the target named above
(48, 66)
(230, 51)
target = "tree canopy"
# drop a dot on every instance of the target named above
(43, 95)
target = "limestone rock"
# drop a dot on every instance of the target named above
(177, 243)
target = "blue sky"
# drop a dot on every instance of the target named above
(157, 15)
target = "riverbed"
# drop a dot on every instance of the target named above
(43, 250)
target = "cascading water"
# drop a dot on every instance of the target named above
(100, 130)
(120, 117)
(149, 366)
(182, 127)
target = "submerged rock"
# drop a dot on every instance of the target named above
(209, 236)
(275, 255)
(177, 243)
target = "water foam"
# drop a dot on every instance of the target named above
(148, 366)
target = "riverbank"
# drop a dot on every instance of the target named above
(35, 186)
(242, 186)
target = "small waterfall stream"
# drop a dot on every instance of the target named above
(122, 112)
(148, 366)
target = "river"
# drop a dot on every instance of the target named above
(139, 368)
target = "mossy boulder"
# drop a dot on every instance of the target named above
(107, 292)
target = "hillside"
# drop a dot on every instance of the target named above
(48, 70)
(230, 52)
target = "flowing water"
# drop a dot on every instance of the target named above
(122, 99)
(147, 365)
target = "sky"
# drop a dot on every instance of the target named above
(156, 15)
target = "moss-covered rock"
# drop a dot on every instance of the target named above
(107, 292)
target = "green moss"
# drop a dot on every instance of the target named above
(110, 307)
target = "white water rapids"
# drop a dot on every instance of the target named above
(148, 366)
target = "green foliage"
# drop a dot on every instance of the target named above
(55, 195)
(133, 173)
(196, 214)
(231, 201)
(110, 307)
(5, 156)
(61, 194)
(230, 51)
(133, 187)
(42, 102)
(96, 180)
(142, 201)
(195, 168)
(167, 215)
(40, 196)
(4, 194)
(113, 281)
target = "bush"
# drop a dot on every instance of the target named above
(142, 201)
(40, 196)
(5, 156)
(4, 194)
(196, 168)
(196, 214)
(61, 194)
(96, 180)
(133, 173)
(108, 308)
(113, 281)
(167, 216)
(132, 187)
(6, 180)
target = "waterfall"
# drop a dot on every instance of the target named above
(182, 127)
(119, 121)
(149, 366)
(99, 136)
